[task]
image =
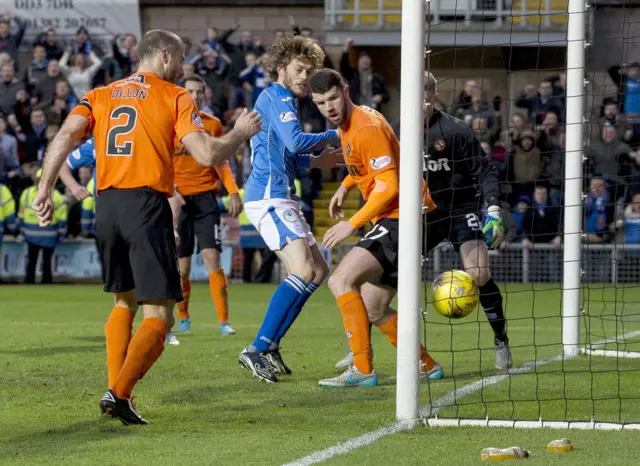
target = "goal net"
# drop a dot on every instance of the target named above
(561, 119)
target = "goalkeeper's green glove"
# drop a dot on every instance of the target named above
(493, 230)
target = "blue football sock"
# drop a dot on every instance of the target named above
(282, 300)
(294, 312)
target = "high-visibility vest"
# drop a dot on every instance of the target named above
(7, 211)
(88, 214)
(33, 233)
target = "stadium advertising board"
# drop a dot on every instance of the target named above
(102, 18)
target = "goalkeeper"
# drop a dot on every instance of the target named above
(461, 176)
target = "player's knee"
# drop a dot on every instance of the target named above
(340, 283)
(304, 270)
(321, 272)
(126, 300)
(480, 275)
(377, 315)
(211, 258)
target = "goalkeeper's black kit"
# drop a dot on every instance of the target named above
(460, 176)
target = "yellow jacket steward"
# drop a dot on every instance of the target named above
(46, 237)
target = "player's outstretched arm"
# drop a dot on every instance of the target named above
(209, 150)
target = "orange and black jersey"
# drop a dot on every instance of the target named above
(455, 165)
(372, 155)
(135, 122)
(193, 178)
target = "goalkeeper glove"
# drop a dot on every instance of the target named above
(493, 229)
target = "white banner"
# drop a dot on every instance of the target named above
(102, 18)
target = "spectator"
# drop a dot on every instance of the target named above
(236, 54)
(80, 75)
(254, 79)
(45, 89)
(612, 159)
(9, 161)
(599, 212)
(517, 124)
(542, 221)
(48, 39)
(611, 116)
(83, 45)
(10, 43)
(365, 86)
(39, 238)
(627, 79)
(631, 221)
(549, 134)
(37, 69)
(211, 42)
(124, 53)
(538, 104)
(34, 126)
(526, 163)
(215, 70)
(189, 52)
(463, 101)
(9, 87)
(278, 34)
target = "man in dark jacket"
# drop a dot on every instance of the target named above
(9, 43)
(365, 86)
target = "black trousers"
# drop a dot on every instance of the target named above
(32, 262)
(263, 275)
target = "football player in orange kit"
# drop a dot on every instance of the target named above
(199, 216)
(135, 122)
(366, 280)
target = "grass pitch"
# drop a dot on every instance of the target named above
(204, 409)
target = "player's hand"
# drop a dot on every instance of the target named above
(248, 123)
(337, 200)
(235, 205)
(493, 229)
(337, 234)
(328, 158)
(43, 207)
(79, 191)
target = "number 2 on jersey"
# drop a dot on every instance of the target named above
(123, 119)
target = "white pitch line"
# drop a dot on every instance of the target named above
(450, 398)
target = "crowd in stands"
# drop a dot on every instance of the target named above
(528, 148)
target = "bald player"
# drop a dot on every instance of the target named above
(135, 122)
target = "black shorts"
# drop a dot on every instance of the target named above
(200, 218)
(457, 226)
(382, 242)
(134, 229)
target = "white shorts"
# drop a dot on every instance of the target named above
(277, 220)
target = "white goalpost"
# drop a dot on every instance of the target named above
(568, 345)
(410, 228)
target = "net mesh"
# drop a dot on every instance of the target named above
(599, 384)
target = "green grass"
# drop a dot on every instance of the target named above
(204, 409)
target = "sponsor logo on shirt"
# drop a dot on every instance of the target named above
(286, 117)
(196, 119)
(380, 162)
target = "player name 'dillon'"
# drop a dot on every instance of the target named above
(129, 93)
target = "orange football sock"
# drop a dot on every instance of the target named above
(390, 329)
(118, 333)
(183, 307)
(218, 288)
(356, 324)
(145, 348)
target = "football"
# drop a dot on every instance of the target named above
(454, 294)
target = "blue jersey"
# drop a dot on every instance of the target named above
(84, 156)
(280, 146)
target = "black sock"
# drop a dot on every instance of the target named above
(491, 302)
